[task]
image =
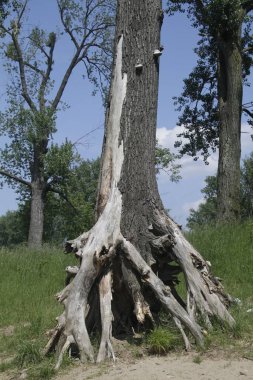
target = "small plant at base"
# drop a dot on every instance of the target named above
(160, 341)
(5, 366)
(28, 353)
(197, 359)
(46, 372)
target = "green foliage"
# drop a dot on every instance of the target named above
(69, 206)
(247, 187)
(67, 219)
(33, 99)
(166, 161)
(161, 340)
(12, 229)
(207, 211)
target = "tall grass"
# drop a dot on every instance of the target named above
(230, 251)
(29, 280)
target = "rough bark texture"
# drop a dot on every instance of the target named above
(37, 217)
(230, 103)
(38, 192)
(132, 256)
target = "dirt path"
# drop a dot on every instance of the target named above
(165, 368)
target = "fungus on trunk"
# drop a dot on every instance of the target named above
(130, 259)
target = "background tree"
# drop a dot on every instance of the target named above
(71, 209)
(30, 118)
(207, 211)
(130, 259)
(211, 102)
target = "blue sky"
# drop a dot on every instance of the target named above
(86, 112)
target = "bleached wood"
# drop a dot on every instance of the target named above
(105, 294)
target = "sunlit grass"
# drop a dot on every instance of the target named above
(29, 280)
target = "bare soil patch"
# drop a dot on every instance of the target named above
(171, 367)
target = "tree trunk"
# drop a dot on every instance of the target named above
(38, 192)
(230, 103)
(127, 257)
(37, 216)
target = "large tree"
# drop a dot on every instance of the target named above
(130, 259)
(34, 98)
(211, 102)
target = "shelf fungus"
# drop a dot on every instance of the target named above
(157, 53)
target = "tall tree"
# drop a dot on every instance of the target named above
(206, 212)
(126, 258)
(211, 102)
(33, 97)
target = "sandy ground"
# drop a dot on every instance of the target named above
(171, 367)
(165, 368)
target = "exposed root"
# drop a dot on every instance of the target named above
(186, 340)
(55, 334)
(162, 292)
(68, 341)
(62, 295)
(105, 293)
(98, 255)
(141, 307)
(203, 294)
(71, 273)
(77, 244)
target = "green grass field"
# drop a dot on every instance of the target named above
(29, 281)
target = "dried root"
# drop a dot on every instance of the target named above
(104, 247)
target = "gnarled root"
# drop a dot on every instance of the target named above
(105, 294)
(110, 264)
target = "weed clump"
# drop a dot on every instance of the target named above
(28, 353)
(161, 340)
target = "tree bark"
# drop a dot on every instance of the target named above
(230, 104)
(37, 216)
(38, 192)
(127, 257)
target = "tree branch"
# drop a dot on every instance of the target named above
(248, 5)
(65, 79)
(47, 75)
(68, 30)
(62, 195)
(246, 50)
(249, 113)
(15, 178)
(21, 63)
(22, 13)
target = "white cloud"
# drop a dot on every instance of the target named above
(190, 168)
(192, 205)
(167, 137)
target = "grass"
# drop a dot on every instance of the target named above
(230, 251)
(161, 340)
(29, 280)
